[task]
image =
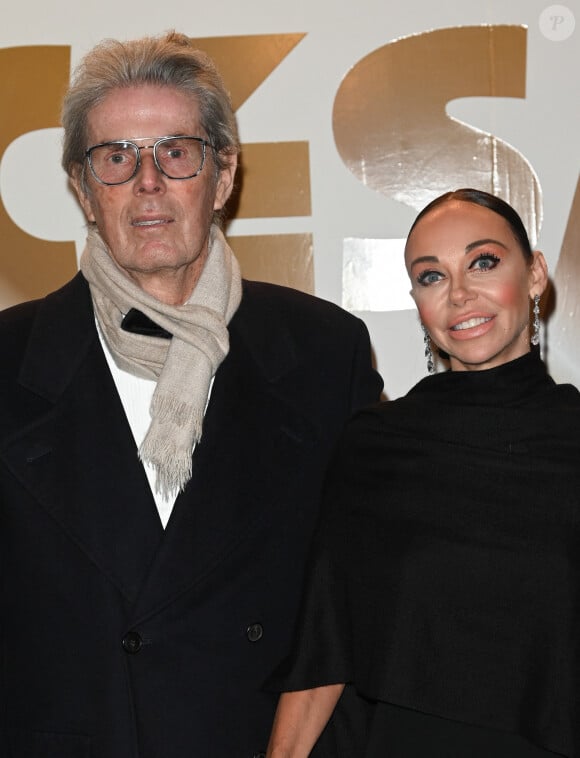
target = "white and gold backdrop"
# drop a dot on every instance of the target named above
(352, 116)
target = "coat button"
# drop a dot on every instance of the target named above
(132, 642)
(254, 633)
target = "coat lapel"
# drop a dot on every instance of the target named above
(76, 455)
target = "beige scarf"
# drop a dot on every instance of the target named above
(183, 366)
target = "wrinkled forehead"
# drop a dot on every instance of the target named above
(143, 111)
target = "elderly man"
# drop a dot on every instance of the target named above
(164, 431)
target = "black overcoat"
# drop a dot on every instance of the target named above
(120, 639)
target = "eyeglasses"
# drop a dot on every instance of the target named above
(175, 157)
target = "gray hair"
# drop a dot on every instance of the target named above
(169, 60)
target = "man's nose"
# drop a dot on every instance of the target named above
(149, 178)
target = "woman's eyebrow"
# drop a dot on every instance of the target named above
(486, 241)
(468, 248)
(425, 259)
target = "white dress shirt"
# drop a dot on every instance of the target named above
(136, 393)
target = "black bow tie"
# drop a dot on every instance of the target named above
(138, 323)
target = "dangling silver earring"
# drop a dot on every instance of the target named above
(536, 323)
(428, 351)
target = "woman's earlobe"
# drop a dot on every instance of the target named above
(539, 274)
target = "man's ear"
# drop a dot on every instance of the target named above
(538, 274)
(78, 183)
(225, 182)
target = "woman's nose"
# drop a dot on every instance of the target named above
(460, 291)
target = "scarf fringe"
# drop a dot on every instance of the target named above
(171, 462)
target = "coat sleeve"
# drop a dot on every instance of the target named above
(322, 648)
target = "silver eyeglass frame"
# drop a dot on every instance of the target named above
(88, 152)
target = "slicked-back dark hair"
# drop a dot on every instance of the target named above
(486, 200)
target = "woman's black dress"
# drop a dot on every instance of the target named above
(445, 578)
